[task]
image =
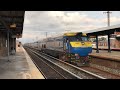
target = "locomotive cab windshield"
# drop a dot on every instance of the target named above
(78, 37)
(82, 37)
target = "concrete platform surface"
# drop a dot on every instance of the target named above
(106, 48)
(114, 55)
(20, 66)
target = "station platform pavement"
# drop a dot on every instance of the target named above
(104, 54)
(19, 66)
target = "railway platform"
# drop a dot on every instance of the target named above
(106, 48)
(114, 55)
(106, 61)
(19, 66)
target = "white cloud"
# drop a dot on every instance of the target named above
(36, 23)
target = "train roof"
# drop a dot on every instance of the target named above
(74, 33)
(61, 36)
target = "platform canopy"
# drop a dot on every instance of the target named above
(12, 21)
(109, 31)
(104, 31)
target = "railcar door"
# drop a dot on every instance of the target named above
(66, 44)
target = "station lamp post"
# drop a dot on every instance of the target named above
(8, 43)
(12, 26)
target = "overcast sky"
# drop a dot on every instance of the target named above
(37, 23)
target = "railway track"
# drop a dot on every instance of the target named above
(49, 69)
(71, 69)
(95, 71)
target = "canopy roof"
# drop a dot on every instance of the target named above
(12, 21)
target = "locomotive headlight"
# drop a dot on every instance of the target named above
(76, 55)
(82, 43)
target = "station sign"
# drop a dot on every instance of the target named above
(13, 26)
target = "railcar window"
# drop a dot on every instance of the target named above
(58, 39)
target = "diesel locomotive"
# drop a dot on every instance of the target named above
(71, 47)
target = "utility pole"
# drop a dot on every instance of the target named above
(108, 17)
